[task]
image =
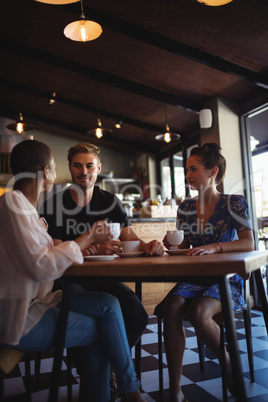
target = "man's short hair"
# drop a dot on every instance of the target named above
(85, 148)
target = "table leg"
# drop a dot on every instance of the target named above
(231, 339)
(60, 342)
(138, 291)
(262, 294)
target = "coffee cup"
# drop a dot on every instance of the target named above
(175, 237)
(115, 229)
(131, 246)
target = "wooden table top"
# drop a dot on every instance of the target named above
(171, 266)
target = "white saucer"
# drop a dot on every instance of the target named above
(100, 257)
(181, 251)
(132, 255)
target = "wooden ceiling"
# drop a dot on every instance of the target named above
(177, 54)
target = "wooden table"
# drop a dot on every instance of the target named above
(170, 269)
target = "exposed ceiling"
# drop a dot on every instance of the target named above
(151, 53)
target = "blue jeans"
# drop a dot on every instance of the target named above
(95, 322)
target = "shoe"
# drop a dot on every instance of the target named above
(113, 390)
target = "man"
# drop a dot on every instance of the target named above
(72, 211)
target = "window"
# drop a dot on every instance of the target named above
(166, 178)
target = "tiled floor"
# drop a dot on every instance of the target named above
(196, 387)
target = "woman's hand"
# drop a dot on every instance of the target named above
(202, 250)
(109, 248)
(92, 249)
(99, 233)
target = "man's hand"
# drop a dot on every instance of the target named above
(154, 247)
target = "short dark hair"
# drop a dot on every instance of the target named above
(210, 155)
(29, 156)
(84, 148)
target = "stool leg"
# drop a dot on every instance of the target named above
(201, 352)
(69, 375)
(1, 388)
(223, 365)
(28, 377)
(160, 356)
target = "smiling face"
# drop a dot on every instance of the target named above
(197, 175)
(84, 169)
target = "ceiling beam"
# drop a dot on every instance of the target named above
(79, 105)
(175, 47)
(98, 75)
(108, 140)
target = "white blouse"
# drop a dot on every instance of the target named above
(28, 266)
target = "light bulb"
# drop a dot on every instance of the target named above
(167, 137)
(98, 132)
(83, 31)
(19, 128)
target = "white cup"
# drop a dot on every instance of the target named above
(175, 237)
(131, 246)
(115, 229)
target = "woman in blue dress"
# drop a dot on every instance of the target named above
(212, 223)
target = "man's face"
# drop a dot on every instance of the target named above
(84, 169)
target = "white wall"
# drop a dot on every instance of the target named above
(112, 160)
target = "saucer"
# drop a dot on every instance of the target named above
(132, 255)
(181, 251)
(100, 257)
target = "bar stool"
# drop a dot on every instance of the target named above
(201, 347)
(9, 358)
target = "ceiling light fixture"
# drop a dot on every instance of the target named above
(20, 126)
(168, 136)
(57, 1)
(99, 131)
(118, 124)
(52, 99)
(214, 2)
(82, 30)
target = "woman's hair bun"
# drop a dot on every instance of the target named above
(212, 146)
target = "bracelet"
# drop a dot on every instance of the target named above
(221, 248)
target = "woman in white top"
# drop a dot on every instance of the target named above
(30, 262)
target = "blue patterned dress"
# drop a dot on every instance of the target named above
(229, 217)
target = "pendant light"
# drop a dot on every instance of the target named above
(214, 2)
(167, 136)
(82, 30)
(58, 2)
(99, 131)
(20, 126)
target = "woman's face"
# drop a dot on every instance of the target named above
(197, 175)
(50, 175)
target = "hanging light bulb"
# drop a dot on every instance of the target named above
(20, 126)
(99, 131)
(168, 136)
(214, 2)
(82, 30)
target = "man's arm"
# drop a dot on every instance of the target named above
(154, 247)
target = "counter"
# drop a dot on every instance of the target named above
(153, 229)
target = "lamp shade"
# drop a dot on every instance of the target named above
(57, 1)
(99, 131)
(214, 2)
(82, 30)
(20, 126)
